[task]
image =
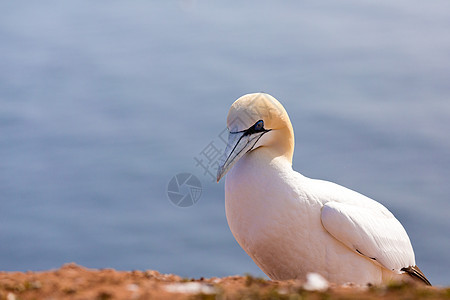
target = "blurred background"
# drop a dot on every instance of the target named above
(102, 103)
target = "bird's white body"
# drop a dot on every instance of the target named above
(275, 215)
(291, 225)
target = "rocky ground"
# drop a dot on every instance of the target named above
(75, 282)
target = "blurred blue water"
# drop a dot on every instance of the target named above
(101, 104)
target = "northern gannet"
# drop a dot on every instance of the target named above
(291, 225)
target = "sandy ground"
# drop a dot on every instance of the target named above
(75, 282)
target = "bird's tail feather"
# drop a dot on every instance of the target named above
(415, 272)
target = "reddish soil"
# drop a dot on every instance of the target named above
(75, 282)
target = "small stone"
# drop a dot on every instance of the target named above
(315, 282)
(190, 288)
(11, 296)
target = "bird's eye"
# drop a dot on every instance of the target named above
(259, 125)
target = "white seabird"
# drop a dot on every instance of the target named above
(291, 225)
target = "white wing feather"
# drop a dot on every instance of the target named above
(371, 231)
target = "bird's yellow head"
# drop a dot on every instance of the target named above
(256, 120)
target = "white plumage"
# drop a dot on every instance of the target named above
(291, 225)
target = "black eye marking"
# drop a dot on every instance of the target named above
(257, 127)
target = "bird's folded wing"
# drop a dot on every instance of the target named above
(371, 231)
